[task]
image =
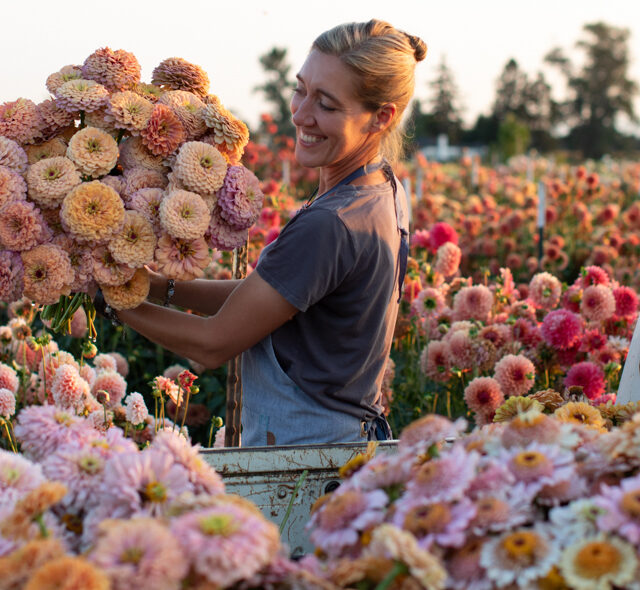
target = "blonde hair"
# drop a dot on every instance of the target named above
(383, 59)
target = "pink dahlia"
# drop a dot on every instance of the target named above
(116, 70)
(220, 235)
(184, 215)
(562, 329)
(226, 543)
(18, 476)
(103, 362)
(139, 553)
(593, 275)
(11, 276)
(12, 186)
(7, 403)
(428, 301)
(598, 303)
(240, 198)
(47, 273)
(42, 429)
(122, 365)
(137, 411)
(462, 349)
(111, 382)
(473, 303)
(12, 155)
(336, 525)
(545, 290)
(182, 259)
(483, 395)
(22, 226)
(202, 476)
(68, 388)
(21, 121)
(441, 233)
(515, 374)
(626, 301)
(589, 376)
(448, 259)
(434, 361)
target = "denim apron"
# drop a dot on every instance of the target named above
(275, 411)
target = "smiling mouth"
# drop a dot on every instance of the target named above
(309, 139)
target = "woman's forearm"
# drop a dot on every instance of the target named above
(201, 295)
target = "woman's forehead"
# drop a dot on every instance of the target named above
(326, 72)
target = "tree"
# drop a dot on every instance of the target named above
(513, 136)
(600, 91)
(278, 87)
(444, 116)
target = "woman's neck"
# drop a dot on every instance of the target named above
(330, 176)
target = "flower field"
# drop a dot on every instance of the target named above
(515, 468)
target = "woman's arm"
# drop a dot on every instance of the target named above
(252, 310)
(201, 295)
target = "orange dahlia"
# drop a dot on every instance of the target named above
(92, 212)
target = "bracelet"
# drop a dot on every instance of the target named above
(104, 309)
(171, 289)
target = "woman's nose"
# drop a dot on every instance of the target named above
(301, 111)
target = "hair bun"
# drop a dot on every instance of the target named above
(419, 47)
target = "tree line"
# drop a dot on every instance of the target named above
(597, 97)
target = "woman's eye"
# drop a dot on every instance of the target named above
(325, 107)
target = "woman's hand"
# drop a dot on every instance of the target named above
(158, 287)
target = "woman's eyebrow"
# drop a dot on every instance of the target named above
(321, 91)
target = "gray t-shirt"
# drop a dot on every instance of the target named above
(337, 263)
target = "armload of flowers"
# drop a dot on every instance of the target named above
(485, 343)
(592, 218)
(111, 174)
(538, 502)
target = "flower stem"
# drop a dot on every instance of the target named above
(398, 569)
(186, 409)
(6, 427)
(294, 494)
(43, 528)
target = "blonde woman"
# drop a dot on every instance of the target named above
(315, 320)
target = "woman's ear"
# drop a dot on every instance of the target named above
(384, 117)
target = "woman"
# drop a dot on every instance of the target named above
(315, 320)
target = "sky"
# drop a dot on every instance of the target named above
(227, 37)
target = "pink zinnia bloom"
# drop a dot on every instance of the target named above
(545, 290)
(204, 478)
(139, 553)
(240, 198)
(69, 390)
(111, 382)
(598, 303)
(619, 506)
(7, 403)
(626, 301)
(444, 478)
(226, 543)
(182, 259)
(8, 378)
(336, 525)
(483, 395)
(22, 226)
(515, 374)
(441, 233)
(11, 276)
(448, 259)
(42, 429)
(443, 523)
(383, 471)
(593, 275)
(561, 329)
(18, 476)
(589, 376)
(473, 303)
(222, 236)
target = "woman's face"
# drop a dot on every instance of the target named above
(332, 127)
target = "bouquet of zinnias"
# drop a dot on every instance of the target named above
(111, 174)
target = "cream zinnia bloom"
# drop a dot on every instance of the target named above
(229, 134)
(135, 243)
(200, 167)
(81, 95)
(50, 180)
(128, 110)
(93, 151)
(184, 215)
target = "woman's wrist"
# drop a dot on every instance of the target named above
(169, 293)
(104, 310)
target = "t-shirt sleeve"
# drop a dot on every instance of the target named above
(310, 258)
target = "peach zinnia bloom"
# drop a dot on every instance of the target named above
(21, 121)
(131, 293)
(81, 261)
(133, 153)
(12, 186)
(81, 95)
(136, 178)
(176, 73)
(92, 212)
(22, 226)
(128, 110)
(68, 572)
(200, 167)
(164, 131)
(116, 70)
(184, 215)
(49, 149)
(93, 151)
(107, 271)
(54, 119)
(47, 273)
(135, 243)
(12, 155)
(182, 259)
(147, 201)
(49, 181)
(57, 79)
(228, 133)
(188, 108)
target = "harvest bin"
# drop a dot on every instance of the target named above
(268, 476)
